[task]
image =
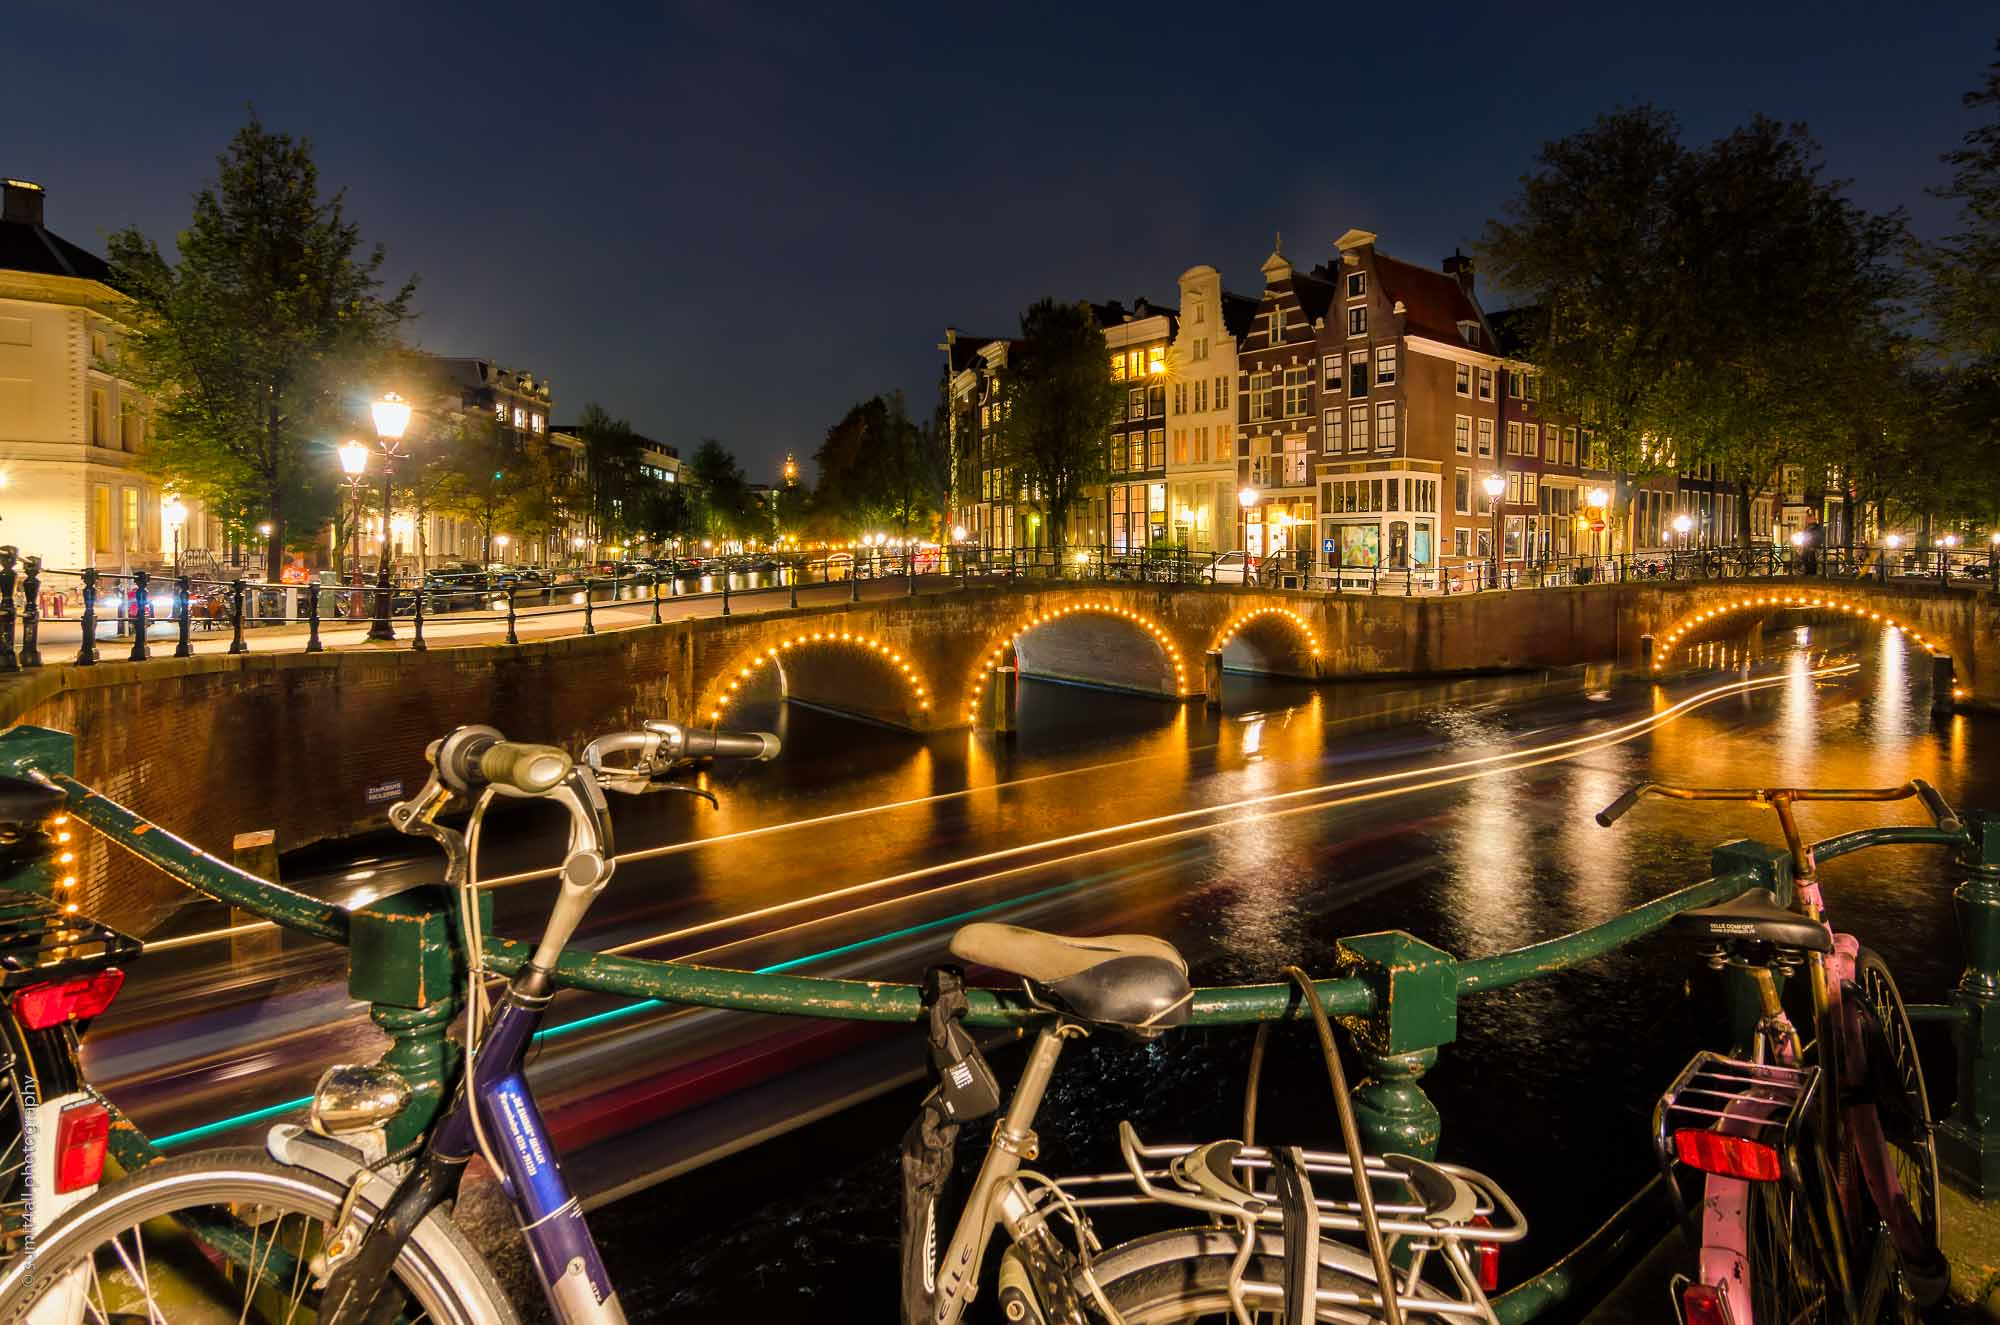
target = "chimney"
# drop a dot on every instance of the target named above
(1460, 266)
(23, 202)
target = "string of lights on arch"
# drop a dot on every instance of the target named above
(890, 656)
(1694, 620)
(1037, 618)
(1237, 626)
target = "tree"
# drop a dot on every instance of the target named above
(878, 467)
(726, 507)
(481, 474)
(251, 346)
(611, 471)
(1056, 407)
(1700, 306)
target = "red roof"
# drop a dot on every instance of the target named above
(1433, 303)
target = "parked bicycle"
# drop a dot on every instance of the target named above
(326, 1221)
(1820, 1177)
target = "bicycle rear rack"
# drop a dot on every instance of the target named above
(1738, 1101)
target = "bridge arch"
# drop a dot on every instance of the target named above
(908, 690)
(1765, 603)
(1291, 627)
(996, 653)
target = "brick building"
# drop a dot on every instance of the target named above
(1130, 512)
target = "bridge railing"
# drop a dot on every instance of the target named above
(1397, 995)
(89, 616)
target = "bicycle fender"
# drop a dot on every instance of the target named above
(291, 1144)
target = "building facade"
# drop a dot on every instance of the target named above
(1201, 413)
(1130, 513)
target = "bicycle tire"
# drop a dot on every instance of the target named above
(1188, 1283)
(1789, 1277)
(444, 1278)
(1902, 1109)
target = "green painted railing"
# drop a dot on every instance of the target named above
(1397, 995)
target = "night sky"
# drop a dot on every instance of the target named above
(720, 220)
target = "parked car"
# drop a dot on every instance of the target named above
(1229, 568)
(519, 577)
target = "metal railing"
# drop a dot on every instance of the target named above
(1400, 995)
(90, 616)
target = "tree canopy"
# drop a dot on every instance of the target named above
(254, 346)
(879, 468)
(1056, 407)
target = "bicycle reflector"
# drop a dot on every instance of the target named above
(1729, 1156)
(45, 1005)
(1733, 1118)
(1702, 1304)
(1486, 1258)
(83, 1130)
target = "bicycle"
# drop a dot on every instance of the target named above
(1820, 1198)
(326, 1219)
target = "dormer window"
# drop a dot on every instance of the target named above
(1357, 284)
(1470, 331)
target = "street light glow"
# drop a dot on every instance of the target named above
(1798, 538)
(392, 416)
(1896, 540)
(1597, 496)
(958, 534)
(175, 513)
(353, 458)
(1246, 497)
(1682, 524)
(1494, 485)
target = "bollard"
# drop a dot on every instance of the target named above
(183, 618)
(1944, 686)
(417, 627)
(1968, 1142)
(1375, 578)
(725, 591)
(854, 581)
(31, 613)
(910, 570)
(1646, 652)
(313, 644)
(1211, 676)
(236, 644)
(589, 621)
(512, 637)
(86, 655)
(8, 661)
(1409, 580)
(792, 579)
(656, 596)
(142, 603)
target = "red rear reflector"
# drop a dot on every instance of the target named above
(1702, 1304)
(82, 1133)
(1486, 1258)
(1730, 1156)
(42, 1006)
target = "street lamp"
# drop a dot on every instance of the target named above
(392, 419)
(500, 541)
(353, 463)
(1496, 487)
(175, 513)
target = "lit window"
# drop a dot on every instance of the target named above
(1385, 425)
(500, 410)
(520, 417)
(1156, 359)
(1486, 384)
(1385, 364)
(1117, 367)
(1464, 379)
(535, 422)
(1357, 320)
(1461, 436)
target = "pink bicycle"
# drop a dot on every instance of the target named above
(1820, 1177)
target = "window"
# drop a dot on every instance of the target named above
(520, 417)
(1513, 438)
(131, 428)
(1359, 430)
(1514, 385)
(1298, 389)
(1513, 487)
(1531, 439)
(1135, 363)
(1486, 384)
(1200, 346)
(1156, 449)
(1117, 455)
(131, 524)
(1296, 472)
(1534, 387)
(1516, 527)
(1482, 501)
(1357, 284)
(1461, 493)
(1463, 379)
(1357, 320)
(1332, 381)
(1485, 437)
(1156, 361)
(1222, 393)
(100, 518)
(1570, 451)
(1385, 425)
(1260, 396)
(1461, 435)
(1156, 402)
(1136, 448)
(1180, 446)
(1332, 443)
(1201, 396)
(1276, 330)
(499, 411)
(1117, 367)
(1485, 545)
(534, 423)
(1385, 364)
(1357, 373)
(1180, 397)
(1461, 543)
(1135, 403)
(1529, 497)
(100, 418)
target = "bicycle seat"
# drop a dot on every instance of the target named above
(1131, 981)
(25, 802)
(1757, 915)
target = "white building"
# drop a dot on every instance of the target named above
(1201, 412)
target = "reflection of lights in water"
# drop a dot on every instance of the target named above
(1891, 700)
(1253, 737)
(1802, 635)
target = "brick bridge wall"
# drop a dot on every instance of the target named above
(215, 745)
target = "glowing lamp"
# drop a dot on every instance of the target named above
(1246, 497)
(353, 458)
(1597, 496)
(1798, 538)
(175, 513)
(392, 416)
(1494, 484)
(1682, 524)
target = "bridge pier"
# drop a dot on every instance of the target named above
(1211, 677)
(996, 703)
(1944, 685)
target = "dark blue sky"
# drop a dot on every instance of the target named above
(731, 221)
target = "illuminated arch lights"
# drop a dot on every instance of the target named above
(892, 658)
(1237, 626)
(1689, 623)
(1028, 623)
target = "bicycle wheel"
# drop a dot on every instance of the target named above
(1182, 1277)
(1789, 1277)
(1894, 1079)
(224, 1236)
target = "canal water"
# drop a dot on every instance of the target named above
(1550, 1085)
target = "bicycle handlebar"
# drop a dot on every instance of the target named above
(760, 746)
(477, 756)
(1926, 795)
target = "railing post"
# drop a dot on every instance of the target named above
(404, 961)
(590, 621)
(417, 627)
(1416, 990)
(512, 637)
(31, 613)
(656, 595)
(183, 612)
(1375, 578)
(910, 568)
(8, 662)
(792, 582)
(236, 644)
(854, 580)
(1409, 580)
(1968, 1142)
(142, 603)
(725, 590)
(86, 654)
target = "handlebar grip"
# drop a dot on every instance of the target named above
(530, 769)
(761, 746)
(1941, 813)
(1615, 811)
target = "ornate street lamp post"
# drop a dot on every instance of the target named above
(1496, 487)
(175, 512)
(353, 463)
(392, 417)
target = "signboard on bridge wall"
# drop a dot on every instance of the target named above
(384, 791)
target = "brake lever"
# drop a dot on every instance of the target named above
(686, 789)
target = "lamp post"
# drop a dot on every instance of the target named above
(175, 513)
(353, 463)
(392, 417)
(1246, 497)
(1496, 487)
(1601, 499)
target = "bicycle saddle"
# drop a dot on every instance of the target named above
(1757, 915)
(1129, 981)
